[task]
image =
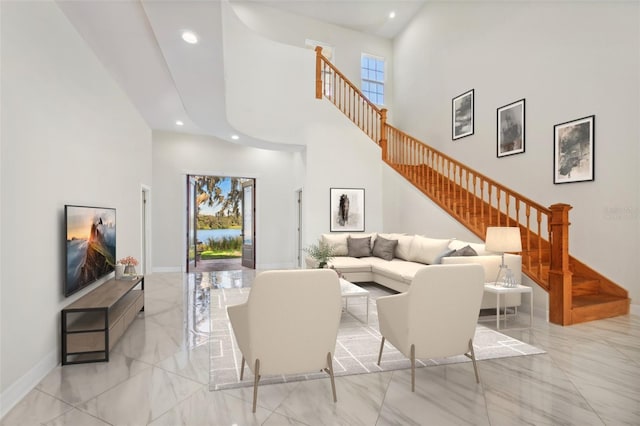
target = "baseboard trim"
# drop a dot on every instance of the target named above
(25, 384)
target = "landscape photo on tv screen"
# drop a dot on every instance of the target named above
(91, 245)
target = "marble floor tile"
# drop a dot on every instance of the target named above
(76, 417)
(70, 383)
(141, 399)
(159, 372)
(444, 395)
(359, 399)
(212, 408)
(34, 409)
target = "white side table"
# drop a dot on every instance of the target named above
(499, 290)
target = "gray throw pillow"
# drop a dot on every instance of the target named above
(384, 248)
(359, 247)
(447, 252)
(464, 251)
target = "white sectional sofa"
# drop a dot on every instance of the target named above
(394, 265)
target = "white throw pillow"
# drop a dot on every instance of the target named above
(403, 249)
(339, 243)
(427, 250)
(392, 236)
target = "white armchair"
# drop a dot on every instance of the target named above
(289, 324)
(437, 317)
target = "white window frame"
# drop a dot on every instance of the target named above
(376, 82)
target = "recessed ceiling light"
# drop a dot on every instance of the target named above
(235, 137)
(190, 37)
(179, 123)
(392, 15)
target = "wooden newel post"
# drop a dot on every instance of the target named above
(318, 72)
(383, 133)
(560, 276)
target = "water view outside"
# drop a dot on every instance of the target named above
(217, 234)
(218, 217)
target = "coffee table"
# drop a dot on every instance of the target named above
(349, 290)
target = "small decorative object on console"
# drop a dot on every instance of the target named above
(129, 263)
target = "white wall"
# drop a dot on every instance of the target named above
(69, 136)
(277, 174)
(270, 92)
(568, 60)
(294, 30)
(339, 155)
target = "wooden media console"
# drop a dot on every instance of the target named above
(93, 324)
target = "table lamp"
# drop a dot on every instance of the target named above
(501, 239)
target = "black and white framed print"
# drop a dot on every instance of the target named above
(462, 115)
(347, 209)
(573, 150)
(511, 134)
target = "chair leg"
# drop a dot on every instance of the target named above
(473, 359)
(381, 347)
(242, 368)
(256, 379)
(333, 382)
(413, 368)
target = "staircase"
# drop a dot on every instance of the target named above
(577, 293)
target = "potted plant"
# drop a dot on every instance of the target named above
(321, 252)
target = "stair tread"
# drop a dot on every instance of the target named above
(595, 299)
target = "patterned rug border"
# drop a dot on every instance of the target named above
(356, 348)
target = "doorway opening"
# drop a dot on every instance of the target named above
(220, 223)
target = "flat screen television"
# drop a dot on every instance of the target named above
(90, 245)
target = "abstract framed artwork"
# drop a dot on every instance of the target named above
(573, 150)
(346, 209)
(462, 115)
(511, 134)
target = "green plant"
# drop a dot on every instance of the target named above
(322, 252)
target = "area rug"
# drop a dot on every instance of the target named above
(356, 349)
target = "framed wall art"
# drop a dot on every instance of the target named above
(346, 209)
(573, 149)
(462, 115)
(511, 134)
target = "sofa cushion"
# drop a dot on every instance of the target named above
(347, 264)
(338, 242)
(397, 269)
(464, 251)
(384, 248)
(392, 236)
(359, 247)
(403, 249)
(427, 250)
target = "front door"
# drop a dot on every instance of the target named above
(248, 224)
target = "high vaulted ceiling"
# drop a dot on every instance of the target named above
(169, 80)
(368, 16)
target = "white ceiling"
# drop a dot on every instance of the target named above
(169, 80)
(368, 16)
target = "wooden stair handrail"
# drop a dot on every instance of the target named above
(460, 190)
(347, 97)
(445, 176)
(475, 172)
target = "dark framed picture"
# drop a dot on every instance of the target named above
(573, 145)
(510, 136)
(462, 115)
(347, 209)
